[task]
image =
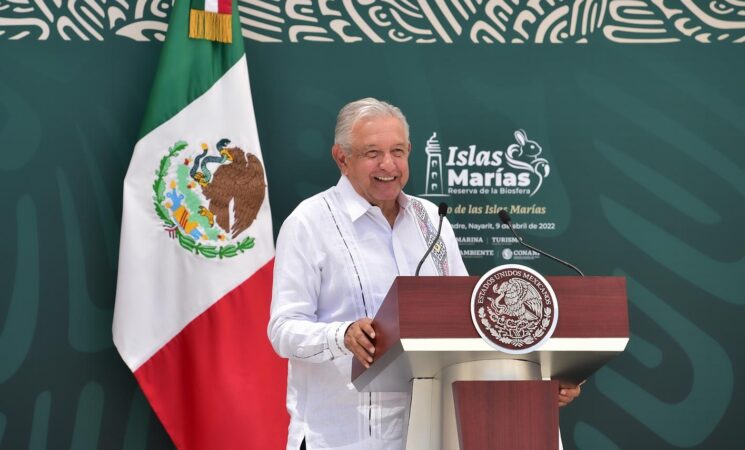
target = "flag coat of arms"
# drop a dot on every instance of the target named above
(197, 252)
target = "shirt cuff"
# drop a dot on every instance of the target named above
(335, 339)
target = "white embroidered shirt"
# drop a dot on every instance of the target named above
(336, 257)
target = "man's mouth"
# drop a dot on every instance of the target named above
(385, 179)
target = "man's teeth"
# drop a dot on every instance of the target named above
(385, 178)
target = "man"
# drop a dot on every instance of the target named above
(337, 255)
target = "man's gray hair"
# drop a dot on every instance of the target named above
(360, 109)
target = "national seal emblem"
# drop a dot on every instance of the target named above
(514, 309)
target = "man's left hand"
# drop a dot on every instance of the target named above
(568, 391)
(359, 339)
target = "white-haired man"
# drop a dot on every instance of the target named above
(337, 255)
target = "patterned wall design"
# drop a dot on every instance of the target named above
(645, 144)
(397, 21)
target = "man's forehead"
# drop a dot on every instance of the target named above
(372, 126)
(375, 145)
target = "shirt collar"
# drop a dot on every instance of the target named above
(355, 204)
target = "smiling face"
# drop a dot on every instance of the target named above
(378, 162)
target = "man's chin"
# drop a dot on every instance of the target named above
(388, 191)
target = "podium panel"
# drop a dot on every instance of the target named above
(487, 417)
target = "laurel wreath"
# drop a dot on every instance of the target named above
(516, 341)
(186, 241)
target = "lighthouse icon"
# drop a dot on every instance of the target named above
(434, 167)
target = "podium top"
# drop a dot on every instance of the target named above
(439, 307)
(431, 315)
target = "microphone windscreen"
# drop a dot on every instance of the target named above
(504, 217)
(442, 210)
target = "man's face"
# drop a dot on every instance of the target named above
(378, 166)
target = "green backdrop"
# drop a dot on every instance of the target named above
(647, 179)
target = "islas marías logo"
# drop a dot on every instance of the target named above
(518, 170)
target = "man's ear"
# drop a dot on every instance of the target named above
(340, 157)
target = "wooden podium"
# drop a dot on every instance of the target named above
(466, 395)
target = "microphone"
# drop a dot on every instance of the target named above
(442, 211)
(505, 218)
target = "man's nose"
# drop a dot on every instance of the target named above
(387, 162)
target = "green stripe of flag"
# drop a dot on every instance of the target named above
(187, 68)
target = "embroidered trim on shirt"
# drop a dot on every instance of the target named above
(354, 265)
(429, 231)
(341, 348)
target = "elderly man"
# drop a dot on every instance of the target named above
(337, 255)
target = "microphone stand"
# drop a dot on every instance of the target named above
(507, 221)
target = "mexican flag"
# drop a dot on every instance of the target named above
(196, 253)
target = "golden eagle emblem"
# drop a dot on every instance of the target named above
(208, 198)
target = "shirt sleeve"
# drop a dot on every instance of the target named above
(294, 329)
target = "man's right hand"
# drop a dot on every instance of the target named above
(358, 339)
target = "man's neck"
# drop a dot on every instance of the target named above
(390, 212)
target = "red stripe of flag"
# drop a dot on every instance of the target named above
(224, 6)
(215, 384)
